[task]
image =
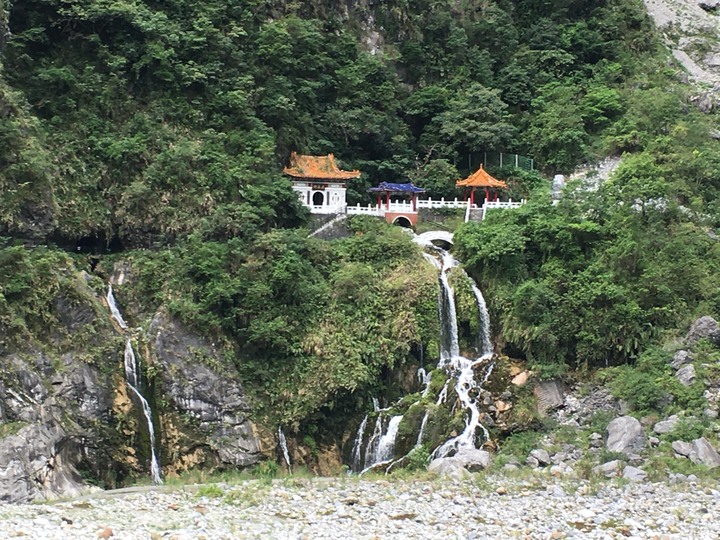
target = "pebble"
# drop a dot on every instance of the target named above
(483, 507)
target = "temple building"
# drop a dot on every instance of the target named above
(319, 182)
(481, 179)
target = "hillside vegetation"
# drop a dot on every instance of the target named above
(136, 124)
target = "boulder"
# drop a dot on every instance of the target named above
(682, 448)
(448, 468)
(686, 375)
(709, 5)
(625, 434)
(704, 328)
(195, 383)
(611, 469)
(550, 395)
(704, 453)
(520, 379)
(634, 474)
(473, 460)
(461, 464)
(667, 425)
(542, 456)
(712, 60)
(681, 358)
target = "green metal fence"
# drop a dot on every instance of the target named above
(500, 159)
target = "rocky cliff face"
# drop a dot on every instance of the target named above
(65, 415)
(691, 29)
(53, 418)
(207, 398)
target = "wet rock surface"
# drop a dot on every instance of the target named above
(48, 412)
(213, 398)
(351, 508)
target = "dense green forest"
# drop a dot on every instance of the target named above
(139, 124)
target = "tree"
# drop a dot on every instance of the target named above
(477, 119)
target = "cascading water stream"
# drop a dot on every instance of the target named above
(423, 425)
(357, 445)
(282, 442)
(382, 452)
(132, 376)
(114, 311)
(462, 368)
(381, 444)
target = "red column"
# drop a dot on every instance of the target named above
(414, 202)
(472, 197)
(379, 199)
(487, 195)
(387, 200)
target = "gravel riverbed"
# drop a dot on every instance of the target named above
(483, 507)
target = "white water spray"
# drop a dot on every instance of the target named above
(132, 376)
(357, 445)
(282, 441)
(422, 428)
(458, 366)
(114, 311)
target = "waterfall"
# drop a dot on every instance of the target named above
(386, 444)
(114, 311)
(422, 428)
(373, 443)
(457, 366)
(461, 372)
(425, 379)
(357, 445)
(443, 393)
(132, 376)
(450, 347)
(486, 348)
(282, 441)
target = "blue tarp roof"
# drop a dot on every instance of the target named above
(403, 188)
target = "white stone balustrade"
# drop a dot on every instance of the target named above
(407, 207)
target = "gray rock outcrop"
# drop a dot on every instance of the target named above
(550, 395)
(625, 434)
(680, 359)
(667, 425)
(682, 448)
(212, 396)
(709, 5)
(704, 328)
(611, 469)
(686, 375)
(542, 456)
(703, 452)
(37, 462)
(50, 413)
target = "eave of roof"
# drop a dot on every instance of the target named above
(317, 167)
(481, 178)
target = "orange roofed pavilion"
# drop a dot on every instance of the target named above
(319, 182)
(317, 167)
(481, 179)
